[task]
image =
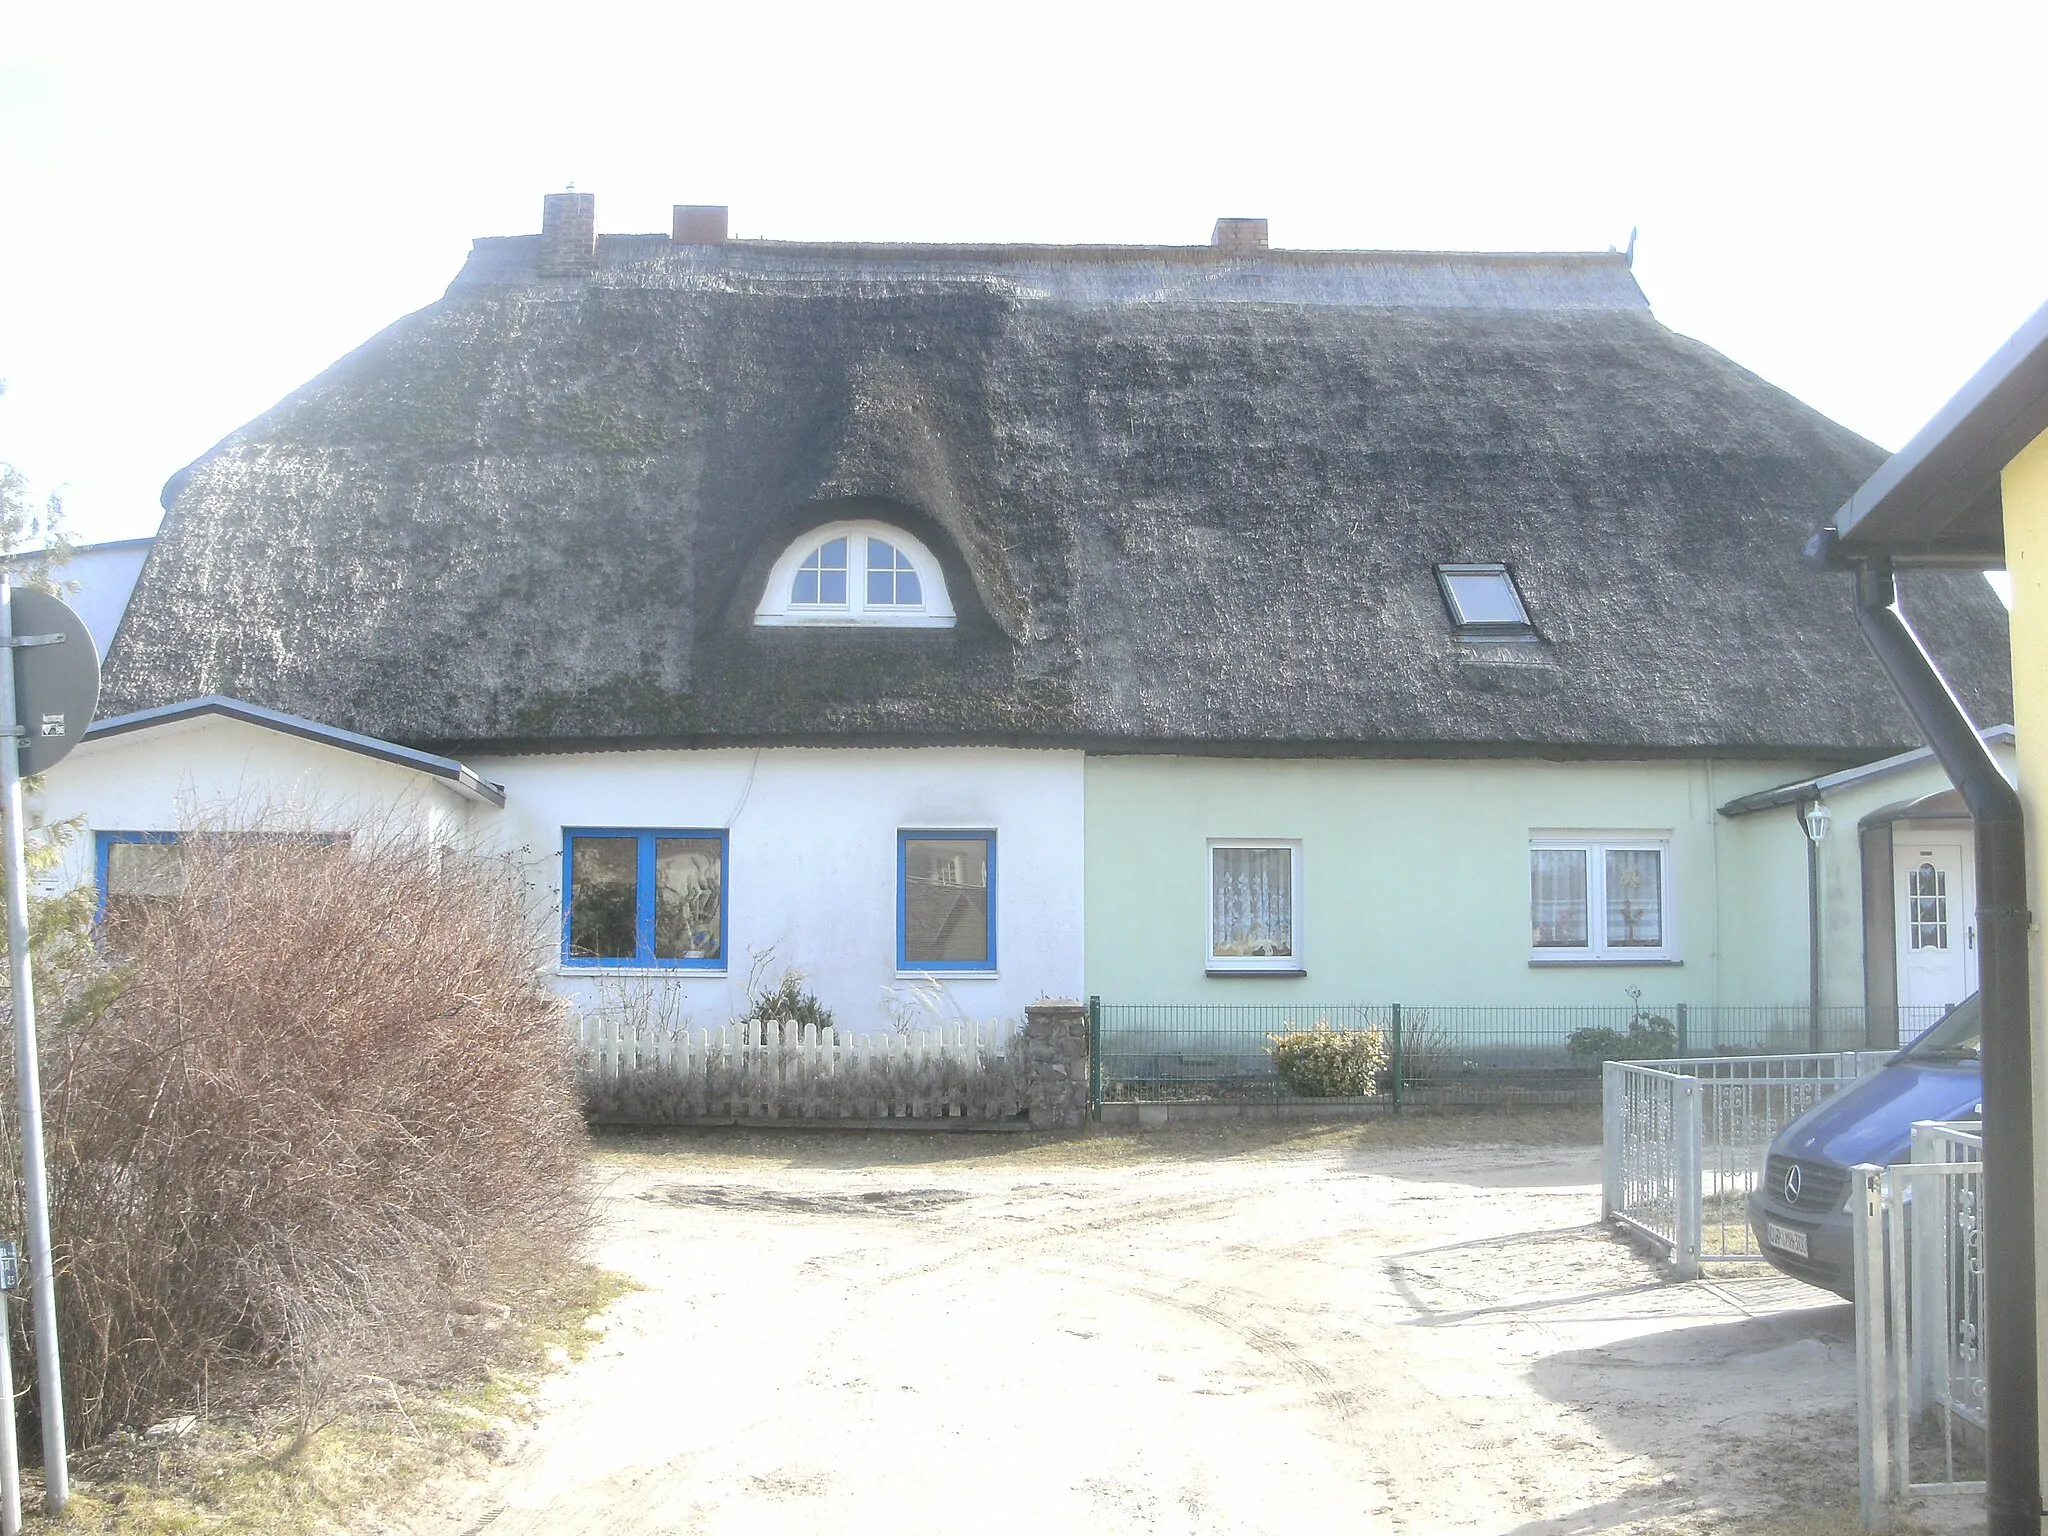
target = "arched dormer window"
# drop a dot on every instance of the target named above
(857, 573)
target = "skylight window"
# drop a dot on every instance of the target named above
(1483, 602)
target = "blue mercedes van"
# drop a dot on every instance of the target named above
(1799, 1211)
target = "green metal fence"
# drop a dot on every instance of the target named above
(1449, 1054)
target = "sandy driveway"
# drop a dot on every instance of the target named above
(1342, 1331)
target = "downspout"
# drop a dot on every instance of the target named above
(1813, 1040)
(2012, 1453)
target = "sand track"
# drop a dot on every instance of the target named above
(1321, 1333)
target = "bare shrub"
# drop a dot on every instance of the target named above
(320, 1093)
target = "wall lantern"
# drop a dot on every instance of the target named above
(1817, 819)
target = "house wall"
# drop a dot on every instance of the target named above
(811, 873)
(1842, 927)
(1416, 877)
(2025, 492)
(214, 769)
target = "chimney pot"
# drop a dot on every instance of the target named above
(568, 234)
(699, 224)
(1239, 237)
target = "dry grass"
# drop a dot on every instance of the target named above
(251, 1474)
(740, 1148)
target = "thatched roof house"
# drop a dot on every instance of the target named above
(1187, 498)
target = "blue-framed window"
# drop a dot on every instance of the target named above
(945, 900)
(643, 897)
(131, 869)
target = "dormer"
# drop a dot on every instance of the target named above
(860, 573)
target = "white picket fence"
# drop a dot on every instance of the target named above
(782, 1070)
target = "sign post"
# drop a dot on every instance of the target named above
(48, 691)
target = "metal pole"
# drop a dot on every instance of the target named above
(1398, 1062)
(10, 1452)
(1685, 1177)
(28, 1079)
(1873, 1422)
(1812, 930)
(1095, 1056)
(1612, 1086)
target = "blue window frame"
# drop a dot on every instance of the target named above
(644, 897)
(108, 871)
(945, 900)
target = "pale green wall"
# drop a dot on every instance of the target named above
(1416, 877)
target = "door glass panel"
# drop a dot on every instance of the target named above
(1927, 907)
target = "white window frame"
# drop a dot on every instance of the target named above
(778, 608)
(1597, 950)
(1253, 965)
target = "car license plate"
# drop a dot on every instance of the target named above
(1786, 1238)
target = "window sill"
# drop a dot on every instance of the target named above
(1548, 962)
(944, 975)
(671, 972)
(1244, 973)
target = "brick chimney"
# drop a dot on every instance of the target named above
(699, 224)
(568, 234)
(1239, 237)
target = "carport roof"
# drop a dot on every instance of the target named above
(1937, 501)
(458, 775)
(1817, 788)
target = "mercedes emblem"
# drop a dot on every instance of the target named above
(1792, 1182)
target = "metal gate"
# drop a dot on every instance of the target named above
(1684, 1143)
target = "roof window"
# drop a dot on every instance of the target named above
(857, 573)
(1483, 602)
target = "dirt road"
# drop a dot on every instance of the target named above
(1340, 1331)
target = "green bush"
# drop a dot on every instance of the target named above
(1650, 1037)
(790, 1001)
(1322, 1062)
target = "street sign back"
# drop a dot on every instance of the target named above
(57, 687)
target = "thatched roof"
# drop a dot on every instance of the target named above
(1185, 501)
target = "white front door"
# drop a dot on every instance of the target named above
(1937, 920)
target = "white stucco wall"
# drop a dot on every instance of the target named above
(811, 861)
(211, 768)
(811, 856)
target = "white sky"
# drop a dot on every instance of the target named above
(208, 203)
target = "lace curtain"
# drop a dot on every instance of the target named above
(1252, 901)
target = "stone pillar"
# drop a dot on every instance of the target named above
(1057, 1048)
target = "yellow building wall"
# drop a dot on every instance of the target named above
(2025, 490)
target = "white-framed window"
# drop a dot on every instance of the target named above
(852, 573)
(1254, 905)
(1600, 897)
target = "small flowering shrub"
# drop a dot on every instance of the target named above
(1322, 1062)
